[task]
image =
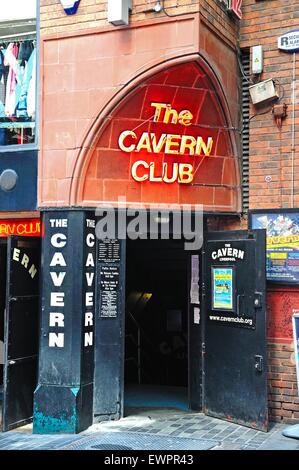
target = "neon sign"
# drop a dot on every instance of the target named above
(168, 144)
(21, 227)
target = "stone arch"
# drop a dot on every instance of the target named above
(102, 170)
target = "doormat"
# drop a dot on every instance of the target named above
(138, 441)
(291, 431)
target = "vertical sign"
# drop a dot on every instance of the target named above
(64, 396)
(88, 300)
(222, 287)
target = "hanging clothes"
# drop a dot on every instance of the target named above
(25, 51)
(2, 83)
(10, 59)
(23, 87)
(31, 98)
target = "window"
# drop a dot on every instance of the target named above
(17, 72)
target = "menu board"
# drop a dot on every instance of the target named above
(282, 244)
(109, 250)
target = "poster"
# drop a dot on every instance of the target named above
(194, 289)
(282, 244)
(296, 344)
(222, 279)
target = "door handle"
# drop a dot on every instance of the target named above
(259, 363)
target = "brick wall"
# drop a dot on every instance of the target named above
(271, 155)
(283, 393)
(270, 147)
(93, 14)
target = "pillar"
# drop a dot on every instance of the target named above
(63, 399)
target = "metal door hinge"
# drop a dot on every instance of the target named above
(259, 363)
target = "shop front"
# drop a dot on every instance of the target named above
(19, 219)
(141, 304)
(19, 321)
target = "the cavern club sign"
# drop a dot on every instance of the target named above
(20, 227)
(179, 144)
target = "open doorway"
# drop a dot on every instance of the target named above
(3, 249)
(156, 336)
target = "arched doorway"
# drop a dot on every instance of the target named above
(167, 142)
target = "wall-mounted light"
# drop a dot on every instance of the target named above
(158, 7)
(118, 11)
(70, 6)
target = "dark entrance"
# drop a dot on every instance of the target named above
(156, 325)
(195, 328)
(19, 288)
(235, 372)
(2, 310)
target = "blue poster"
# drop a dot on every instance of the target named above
(282, 244)
(222, 289)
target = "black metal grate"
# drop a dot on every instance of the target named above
(245, 61)
(139, 441)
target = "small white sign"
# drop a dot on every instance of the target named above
(196, 316)
(289, 42)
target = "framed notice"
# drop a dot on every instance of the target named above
(223, 288)
(296, 344)
(282, 228)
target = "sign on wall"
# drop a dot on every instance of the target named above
(289, 42)
(282, 243)
(166, 142)
(178, 143)
(222, 286)
(21, 227)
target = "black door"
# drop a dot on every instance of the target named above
(109, 330)
(21, 330)
(235, 373)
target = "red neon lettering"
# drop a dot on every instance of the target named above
(23, 227)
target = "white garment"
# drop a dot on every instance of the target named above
(11, 60)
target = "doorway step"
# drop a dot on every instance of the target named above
(156, 396)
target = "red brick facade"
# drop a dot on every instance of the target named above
(271, 155)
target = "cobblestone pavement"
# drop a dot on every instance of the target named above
(172, 423)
